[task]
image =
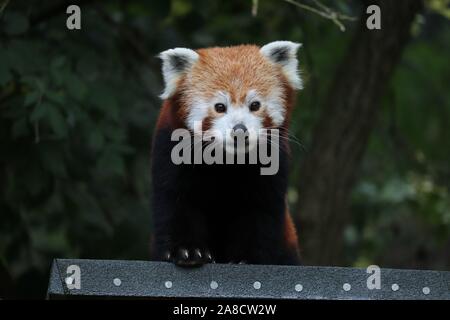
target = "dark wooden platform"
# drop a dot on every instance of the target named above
(145, 279)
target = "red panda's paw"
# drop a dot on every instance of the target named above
(189, 257)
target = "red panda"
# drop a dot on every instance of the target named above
(224, 213)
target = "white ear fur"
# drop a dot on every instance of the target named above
(284, 53)
(175, 62)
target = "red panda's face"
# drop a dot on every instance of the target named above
(225, 89)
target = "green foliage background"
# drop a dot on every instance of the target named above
(77, 111)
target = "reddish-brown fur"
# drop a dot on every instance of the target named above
(291, 232)
(234, 70)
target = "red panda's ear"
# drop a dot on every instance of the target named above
(284, 53)
(175, 62)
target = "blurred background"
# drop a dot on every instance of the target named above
(370, 173)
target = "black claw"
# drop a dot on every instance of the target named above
(184, 253)
(168, 256)
(186, 257)
(198, 254)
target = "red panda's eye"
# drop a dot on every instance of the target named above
(220, 107)
(254, 106)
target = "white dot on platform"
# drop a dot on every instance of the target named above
(426, 290)
(117, 282)
(298, 287)
(346, 287)
(395, 287)
(168, 284)
(257, 285)
(214, 285)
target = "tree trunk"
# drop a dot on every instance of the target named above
(340, 137)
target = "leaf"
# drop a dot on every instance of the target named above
(439, 6)
(49, 240)
(112, 132)
(57, 122)
(52, 160)
(39, 112)
(37, 83)
(111, 162)
(75, 86)
(58, 70)
(32, 98)
(19, 128)
(58, 97)
(96, 139)
(104, 99)
(5, 74)
(15, 23)
(180, 8)
(58, 62)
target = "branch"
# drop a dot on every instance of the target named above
(3, 5)
(254, 7)
(325, 12)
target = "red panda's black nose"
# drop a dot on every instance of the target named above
(239, 126)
